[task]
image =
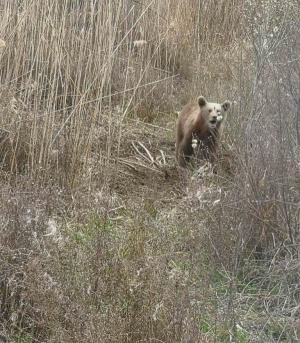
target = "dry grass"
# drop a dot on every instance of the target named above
(103, 238)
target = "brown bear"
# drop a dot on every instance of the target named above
(199, 125)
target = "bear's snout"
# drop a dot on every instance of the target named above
(213, 119)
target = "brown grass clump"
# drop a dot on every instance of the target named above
(102, 237)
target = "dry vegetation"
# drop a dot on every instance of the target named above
(102, 237)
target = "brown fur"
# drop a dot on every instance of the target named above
(191, 124)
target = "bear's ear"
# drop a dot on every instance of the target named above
(202, 101)
(226, 105)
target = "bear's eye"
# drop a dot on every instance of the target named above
(210, 111)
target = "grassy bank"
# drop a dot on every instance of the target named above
(102, 237)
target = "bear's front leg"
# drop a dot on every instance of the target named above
(185, 151)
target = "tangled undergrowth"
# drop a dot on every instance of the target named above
(102, 237)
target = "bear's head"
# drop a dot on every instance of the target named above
(213, 112)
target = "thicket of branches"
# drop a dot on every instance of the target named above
(102, 238)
